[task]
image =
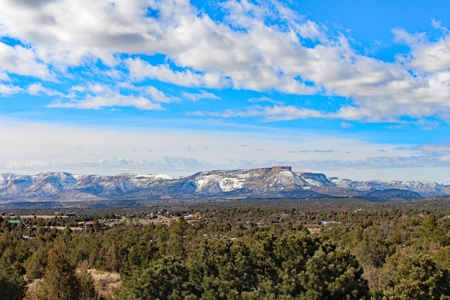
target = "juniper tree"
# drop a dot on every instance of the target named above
(166, 278)
(59, 281)
(86, 284)
(416, 277)
(12, 284)
(36, 264)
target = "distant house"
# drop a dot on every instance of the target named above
(14, 221)
(89, 224)
(71, 214)
(325, 223)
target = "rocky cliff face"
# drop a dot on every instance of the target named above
(275, 182)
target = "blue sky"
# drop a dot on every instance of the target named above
(355, 89)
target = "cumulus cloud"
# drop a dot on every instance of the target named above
(103, 96)
(22, 61)
(140, 70)
(426, 56)
(269, 113)
(345, 125)
(37, 89)
(8, 89)
(265, 99)
(65, 36)
(244, 51)
(97, 102)
(4, 76)
(198, 96)
(159, 96)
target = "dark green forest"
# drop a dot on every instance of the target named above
(249, 250)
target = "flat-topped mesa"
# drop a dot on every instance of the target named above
(279, 168)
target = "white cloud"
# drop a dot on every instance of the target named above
(37, 88)
(273, 113)
(78, 88)
(159, 96)
(426, 56)
(165, 164)
(345, 125)
(17, 164)
(315, 151)
(4, 76)
(443, 147)
(9, 89)
(22, 61)
(242, 52)
(384, 162)
(311, 30)
(140, 70)
(198, 96)
(72, 31)
(265, 99)
(97, 102)
(105, 97)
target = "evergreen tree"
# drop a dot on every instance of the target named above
(113, 258)
(177, 237)
(86, 284)
(334, 274)
(417, 277)
(138, 259)
(36, 264)
(12, 284)
(223, 269)
(290, 255)
(59, 281)
(442, 258)
(373, 251)
(166, 278)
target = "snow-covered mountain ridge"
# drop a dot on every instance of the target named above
(274, 182)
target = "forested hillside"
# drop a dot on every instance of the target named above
(225, 252)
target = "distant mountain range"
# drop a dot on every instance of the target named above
(261, 183)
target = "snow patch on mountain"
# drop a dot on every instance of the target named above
(274, 182)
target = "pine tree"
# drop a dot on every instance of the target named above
(442, 258)
(113, 258)
(334, 274)
(138, 259)
(86, 284)
(12, 285)
(223, 269)
(417, 277)
(36, 264)
(373, 251)
(59, 281)
(166, 278)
